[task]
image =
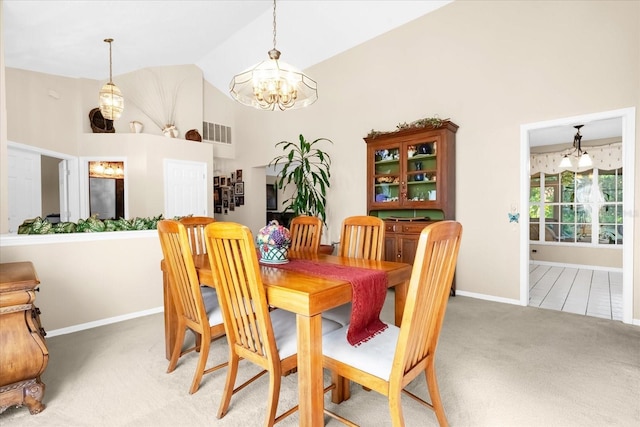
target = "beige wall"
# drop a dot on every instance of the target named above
(95, 280)
(145, 155)
(522, 62)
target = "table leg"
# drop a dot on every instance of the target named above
(310, 376)
(169, 317)
(400, 299)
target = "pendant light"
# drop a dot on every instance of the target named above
(584, 160)
(111, 100)
(273, 84)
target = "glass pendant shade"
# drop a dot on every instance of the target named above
(566, 162)
(585, 160)
(273, 84)
(111, 101)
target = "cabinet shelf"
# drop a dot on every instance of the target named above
(422, 157)
(387, 161)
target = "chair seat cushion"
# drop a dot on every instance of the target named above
(284, 329)
(340, 314)
(211, 305)
(374, 356)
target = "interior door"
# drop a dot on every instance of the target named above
(185, 188)
(63, 185)
(25, 201)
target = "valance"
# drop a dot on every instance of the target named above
(605, 157)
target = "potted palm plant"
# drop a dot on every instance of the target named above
(307, 168)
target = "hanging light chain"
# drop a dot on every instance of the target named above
(110, 62)
(274, 24)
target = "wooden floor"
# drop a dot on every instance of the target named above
(596, 293)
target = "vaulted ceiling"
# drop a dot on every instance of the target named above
(65, 37)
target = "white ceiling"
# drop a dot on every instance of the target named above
(223, 38)
(65, 37)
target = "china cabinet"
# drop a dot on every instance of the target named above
(410, 183)
(412, 172)
(23, 353)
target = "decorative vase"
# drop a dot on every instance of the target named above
(273, 254)
(170, 131)
(273, 242)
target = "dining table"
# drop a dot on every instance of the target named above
(308, 296)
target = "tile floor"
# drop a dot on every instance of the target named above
(584, 291)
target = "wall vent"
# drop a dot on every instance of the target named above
(216, 132)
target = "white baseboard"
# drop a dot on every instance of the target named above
(488, 297)
(635, 322)
(103, 322)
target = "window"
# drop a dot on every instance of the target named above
(577, 207)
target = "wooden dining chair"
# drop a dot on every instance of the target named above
(390, 360)
(263, 337)
(195, 230)
(197, 306)
(306, 232)
(360, 237)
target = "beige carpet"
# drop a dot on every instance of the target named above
(498, 365)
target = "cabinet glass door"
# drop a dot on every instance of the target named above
(421, 172)
(387, 175)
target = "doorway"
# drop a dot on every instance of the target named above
(42, 182)
(527, 131)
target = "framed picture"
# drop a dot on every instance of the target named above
(233, 177)
(218, 209)
(239, 175)
(216, 181)
(223, 181)
(272, 197)
(240, 200)
(239, 189)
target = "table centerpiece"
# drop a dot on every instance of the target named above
(273, 243)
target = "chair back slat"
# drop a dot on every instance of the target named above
(184, 285)
(306, 232)
(362, 237)
(428, 295)
(242, 296)
(195, 230)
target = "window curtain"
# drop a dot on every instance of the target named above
(605, 157)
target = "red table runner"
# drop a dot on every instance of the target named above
(369, 289)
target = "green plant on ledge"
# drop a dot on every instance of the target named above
(92, 224)
(308, 169)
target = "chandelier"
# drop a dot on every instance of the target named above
(273, 84)
(576, 152)
(111, 100)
